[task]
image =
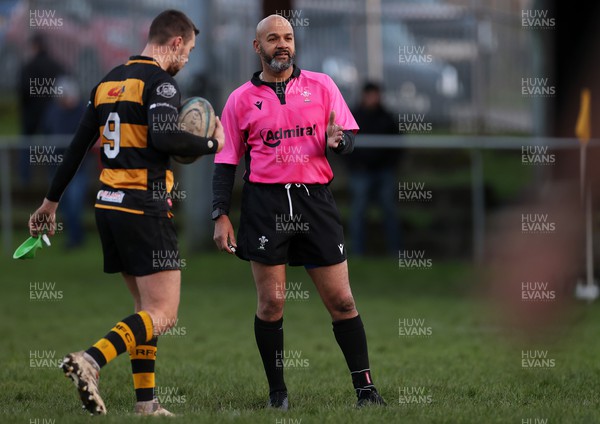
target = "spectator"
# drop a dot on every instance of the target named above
(38, 71)
(62, 118)
(373, 172)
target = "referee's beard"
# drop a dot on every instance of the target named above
(277, 65)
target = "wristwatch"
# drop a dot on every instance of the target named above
(342, 143)
(218, 212)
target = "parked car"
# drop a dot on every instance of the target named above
(428, 85)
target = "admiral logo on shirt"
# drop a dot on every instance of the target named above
(273, 139)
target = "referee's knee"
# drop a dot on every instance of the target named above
(270, 309)
(343, 305)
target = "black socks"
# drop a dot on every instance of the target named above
(350, 335)
(269, 339)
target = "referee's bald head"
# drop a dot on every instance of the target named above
(273, 23)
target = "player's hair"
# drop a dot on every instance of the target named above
(171, 23)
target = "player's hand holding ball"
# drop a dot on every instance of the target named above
(197, 117)
(335, 133)
(219, 134)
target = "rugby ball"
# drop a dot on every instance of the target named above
(196, 116)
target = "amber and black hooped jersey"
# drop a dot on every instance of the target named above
(136, 177)
(134, 112)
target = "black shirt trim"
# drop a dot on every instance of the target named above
(277, 87)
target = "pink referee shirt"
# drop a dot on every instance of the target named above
(284, 142)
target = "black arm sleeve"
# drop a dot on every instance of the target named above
(223, 179)
(176, 142)
(85, 137)
(163, 106)
(348, 146)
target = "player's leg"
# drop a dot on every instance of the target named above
(268, 327)
(142, 356)
(133, 289)
(83, 367)
(333, 284)
(159, 294)
(120, 231)
(155, 289)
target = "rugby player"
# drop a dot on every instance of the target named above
(284, 121)
(133, 206)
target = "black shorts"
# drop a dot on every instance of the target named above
(137, 244)
(293, 223)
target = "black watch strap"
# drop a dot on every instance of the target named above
(218, 212)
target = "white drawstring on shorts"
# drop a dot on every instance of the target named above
(287, 187)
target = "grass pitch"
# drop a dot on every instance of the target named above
(455, 368)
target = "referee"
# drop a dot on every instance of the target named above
(133, 205)
(283, 122)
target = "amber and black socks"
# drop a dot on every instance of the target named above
(132, 331)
